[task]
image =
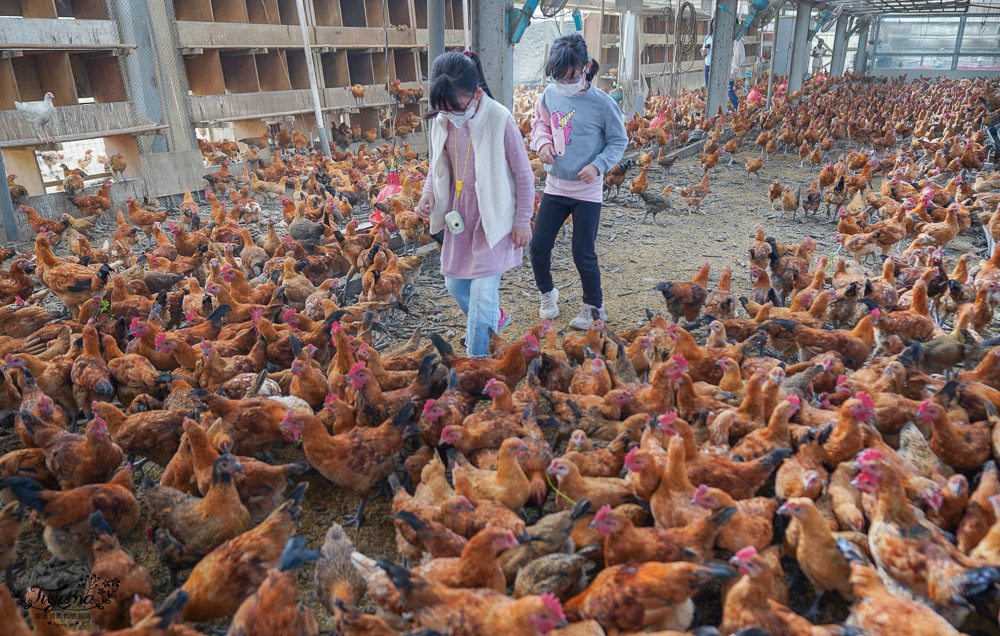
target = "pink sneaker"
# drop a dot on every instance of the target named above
(504, 320)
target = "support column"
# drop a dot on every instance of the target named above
(10, 230)
(800, 47)
(722, 56)
(839, 47)
(490, 42)
(435, 32)
(154, 72)
(861, 59)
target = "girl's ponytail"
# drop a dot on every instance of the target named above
(479, 71)
(594, 68)
(454, 76)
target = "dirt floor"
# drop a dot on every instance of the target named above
(634, 257)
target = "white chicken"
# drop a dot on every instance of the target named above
(39, 115)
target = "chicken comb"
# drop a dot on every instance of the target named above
(602, 513)
(135, 323)
(551, 602)
(700, 491)
(19, 301)
(746, 553)
(256, 314)
(531, 339)
(876, 313)
(288, 314)
(679, 360)
(630, 456)
(794, 399)
(160, 339)
(870, 455)
(865, 399)
(357, 368)
(336, 326)
(429, 404)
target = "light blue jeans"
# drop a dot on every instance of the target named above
(479, 300)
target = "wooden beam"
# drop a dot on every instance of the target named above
(135, 130)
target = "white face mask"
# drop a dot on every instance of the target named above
(569, 90)
(463, 119)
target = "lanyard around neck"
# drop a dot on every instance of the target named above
(460, 182)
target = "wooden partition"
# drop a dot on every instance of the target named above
(193, 10)
(405, 66)
(39, 9)
(287, 12)
(240, 73)
(298, 72)
(399, 13)
(336, 71)
(257, 13)
(8, 85)
(352, 13)
(379, 67)
(359, 65)
(229, 10)
(10, 7)
(327, 13)
(456, 14)
(420, 14)
(272, 73)
(106, 79)
(373, 11)
(204, 73)
(89, 9)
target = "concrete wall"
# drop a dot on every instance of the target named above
(52, 206)
(172, 172)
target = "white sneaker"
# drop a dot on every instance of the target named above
(549, 307)
(587, 315)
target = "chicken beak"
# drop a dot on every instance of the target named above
(783, 510)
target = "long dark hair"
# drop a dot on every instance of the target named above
(455, 74)
(568, 55)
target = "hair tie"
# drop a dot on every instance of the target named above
(467, 54)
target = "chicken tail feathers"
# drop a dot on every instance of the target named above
(170, 610)
(409, 519)
(400, 576)
(774, 458)
(580, 508)
(27, 490)
(441, 345)
(294, 500)
(295, 554)
(851, 552)
(219, 313)
(722, 516)
(100, 524)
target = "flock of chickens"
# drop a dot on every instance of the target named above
(597, 483)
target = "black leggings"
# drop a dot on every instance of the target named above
(552, 213)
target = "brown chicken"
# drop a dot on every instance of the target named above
(66, 514)
(652, 595)
(686, 299)
(219, 584)
(110, 562)
(272, 609)
(357, 459)
(187, 528)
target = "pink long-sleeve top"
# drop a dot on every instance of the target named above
(468, 255)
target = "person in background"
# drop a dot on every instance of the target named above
(477, 155)
(817, 56)
(579, 135)
(706, 50)
(736, 70)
